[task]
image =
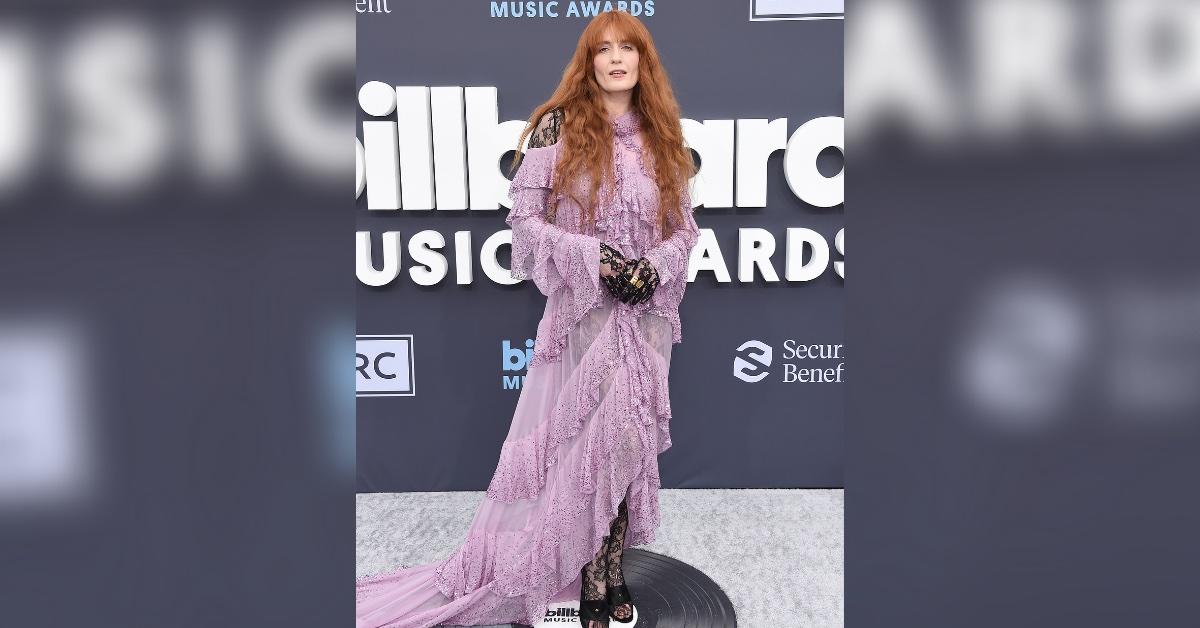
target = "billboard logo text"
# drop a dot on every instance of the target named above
(514, 360)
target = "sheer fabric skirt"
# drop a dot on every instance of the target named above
(522, 554)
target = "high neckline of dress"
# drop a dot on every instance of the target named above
(626, 124)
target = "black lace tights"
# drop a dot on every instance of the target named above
(604, 570)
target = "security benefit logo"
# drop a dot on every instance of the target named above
(514, 358)
(799, 363)
(751, 361)
(384, 366)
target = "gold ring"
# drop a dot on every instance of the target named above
(637, 283)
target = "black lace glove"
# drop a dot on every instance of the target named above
(618, 263)
(638, 281)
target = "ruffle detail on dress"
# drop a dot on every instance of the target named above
(670, 257)
(559, 550)
(645, 209)
(626, 201)
(627, 140)
(671, 313)
(536, 171)
(640, 392)
(619, 410)
(365, 586)
(632, 200)
(564, 265)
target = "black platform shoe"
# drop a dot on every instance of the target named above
(593, 611)
(617, 596)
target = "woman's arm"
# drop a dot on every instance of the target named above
(552, 257)
(670, 257)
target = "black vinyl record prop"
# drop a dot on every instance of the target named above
(669, 593)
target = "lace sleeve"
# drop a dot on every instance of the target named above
(555, 259)
(670, 257)
(546, 133)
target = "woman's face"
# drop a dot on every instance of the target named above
(615, 64)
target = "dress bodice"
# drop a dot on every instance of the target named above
(562, 254)
(627, 215)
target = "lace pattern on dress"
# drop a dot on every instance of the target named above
(642, 392)
(546, 133)
(563, 264)
(613, 407)
(616, 398)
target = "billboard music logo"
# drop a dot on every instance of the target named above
(751, 360)
(561, 614)
(384, 366)
(567, 614)
(514, 360)
(771, 10)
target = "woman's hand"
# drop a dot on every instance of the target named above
(638, 281)
(612, 265)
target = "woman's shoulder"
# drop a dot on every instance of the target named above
(547, 131)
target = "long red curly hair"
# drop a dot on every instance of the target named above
(586, 133)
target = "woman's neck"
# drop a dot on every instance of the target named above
(617, 105)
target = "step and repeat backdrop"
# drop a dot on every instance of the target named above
(444, 334)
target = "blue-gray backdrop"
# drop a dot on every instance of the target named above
(727, 432)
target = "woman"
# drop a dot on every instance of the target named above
(602, 223)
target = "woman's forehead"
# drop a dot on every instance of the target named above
(611, 36)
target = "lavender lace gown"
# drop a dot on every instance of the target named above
(592, 416)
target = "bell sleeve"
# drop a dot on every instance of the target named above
(670, 257)
(559, 262)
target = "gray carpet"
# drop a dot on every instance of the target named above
(776, 553)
